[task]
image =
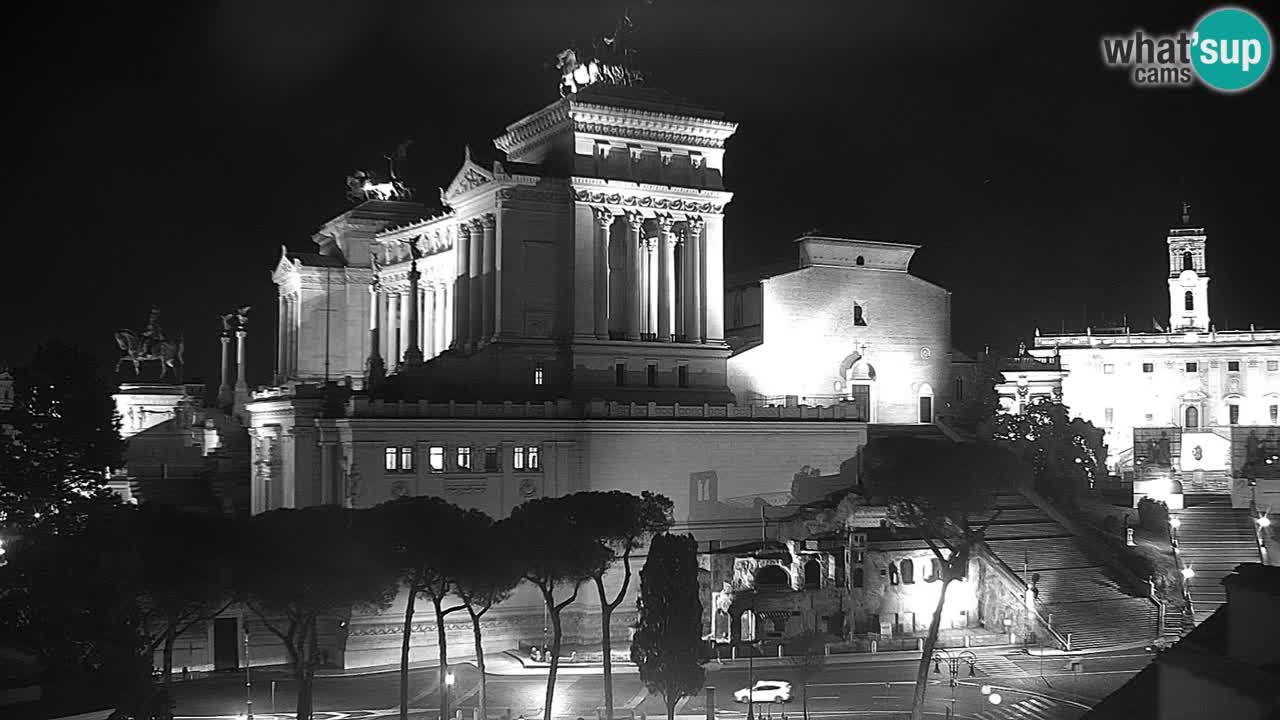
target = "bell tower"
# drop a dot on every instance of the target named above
(1188, 276)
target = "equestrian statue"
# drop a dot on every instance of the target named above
(148, 345)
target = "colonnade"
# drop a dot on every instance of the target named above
(391, 316)
(650, 277)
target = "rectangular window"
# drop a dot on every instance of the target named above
(1109, 369)
(398, 459)
(959, 390)
(517, 459)
(620, 374)
(682, 376)
(1150, 417)
(1233, 366)
(435, 458)
(391, 460)
(651, 375)
(491, 458)
(537, 374)
(406, 459)
(1273, 365)
(1233, 413)
(1148, 367)
(1275, 414)
(1111, 415)
(464, 458)
(1193, 367)
(534, 461)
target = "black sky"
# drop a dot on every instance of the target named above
(166, 152)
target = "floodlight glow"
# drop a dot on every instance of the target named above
(1188, 573)
(986, 689)
(1175, 523)
(1263, 521)
(448, 679)
(995, 698)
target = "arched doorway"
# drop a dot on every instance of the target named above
(772, 576)
(812, 574)
(925, 396)
(859, 380)
(1192, 417)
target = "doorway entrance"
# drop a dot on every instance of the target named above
(926, 409)
(226, 649)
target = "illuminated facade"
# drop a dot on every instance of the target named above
(1211, 389)
(559, 326)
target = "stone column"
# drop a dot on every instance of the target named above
(488, 312)
(475, 328)
(634, 294)
(241, 383)
(693, 272)
(291, 353)
(713, 278)
(413, 352)
(651, 286)
(405, 304)
(428, 321)
(666, 278)
(376, 368)
(604, 219)
(224, 389)
(393, 326)
(281, 343)
(462, 287)
(447, 295)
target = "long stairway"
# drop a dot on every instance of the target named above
(1075, 590)
(1213, 540)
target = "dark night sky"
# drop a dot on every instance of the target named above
(167, 152)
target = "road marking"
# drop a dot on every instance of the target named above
(825, 697)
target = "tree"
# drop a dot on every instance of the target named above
(1066, 455)
(304, 566)
(621, 521)
(808, 657)
(185, 575)
(63, 436)
(425, 538)
(935, 488)
(668, 642)
(555, 548)
(488, 579)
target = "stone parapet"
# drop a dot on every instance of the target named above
(363, 407)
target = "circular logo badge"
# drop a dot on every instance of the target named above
(1231, 49)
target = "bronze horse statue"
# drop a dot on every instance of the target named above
(137, 349)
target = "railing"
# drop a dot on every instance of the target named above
(1064, 643)
(363, 407)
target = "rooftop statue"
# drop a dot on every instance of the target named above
(150, 344)
(363, 185)
(608, 59)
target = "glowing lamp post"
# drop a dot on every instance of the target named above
(1188, 573)
(1174, 524)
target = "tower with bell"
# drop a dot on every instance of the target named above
(1188, 276)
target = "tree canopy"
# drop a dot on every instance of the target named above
(1067, 456)
(668, 642)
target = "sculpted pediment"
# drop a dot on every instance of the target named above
(469, 177)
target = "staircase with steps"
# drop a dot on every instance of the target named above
(1213, 540)
(1076, 592)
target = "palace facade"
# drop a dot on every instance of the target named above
(1187, 409)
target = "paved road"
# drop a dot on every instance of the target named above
(1031, 688)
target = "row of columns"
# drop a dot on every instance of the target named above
(479, 282)
(417, 316)
(287, 337)
(646, 308)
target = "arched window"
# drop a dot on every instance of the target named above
(772, 576)
(812, 574)
(858, 318)
(859, 577)
(908, 572)
(860, 261)
(893, 574)
(1188, 262)
(1193, 417)
(935, 570)
(1189, 300)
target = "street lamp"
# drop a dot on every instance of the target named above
(1174, 524)
(1263, 521)
(953, 661)
(1188, 573)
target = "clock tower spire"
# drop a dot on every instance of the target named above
(1188, 276)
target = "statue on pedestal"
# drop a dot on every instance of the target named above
(150, 344)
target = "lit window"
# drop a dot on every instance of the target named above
(1233, 366)
(1233, 413)
(1193, 367)
(406, 459)
(398, 459)
(858, 318)
(1111, 415)
(1275, 414)
(651, 375)
(893, 574)
(537, 374)
(682, 376)
(1148, 367)
(526, 458)
(391, 462)
(620, 374)
(435, 458)
(1187, 262)
(860, 261)
(1273, 365)
(491, 458)
(1109, 369)
(464, 458)
(1188, 301)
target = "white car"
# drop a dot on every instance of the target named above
(765, 691)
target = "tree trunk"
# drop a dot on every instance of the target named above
(922, 671)
(484, 698)
(443, 648)
(555, 656)
(671, 707)
(170, 635)
(404, 653)
(804, 698)
(606, 644)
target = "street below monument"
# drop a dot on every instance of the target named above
(1029, 687)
